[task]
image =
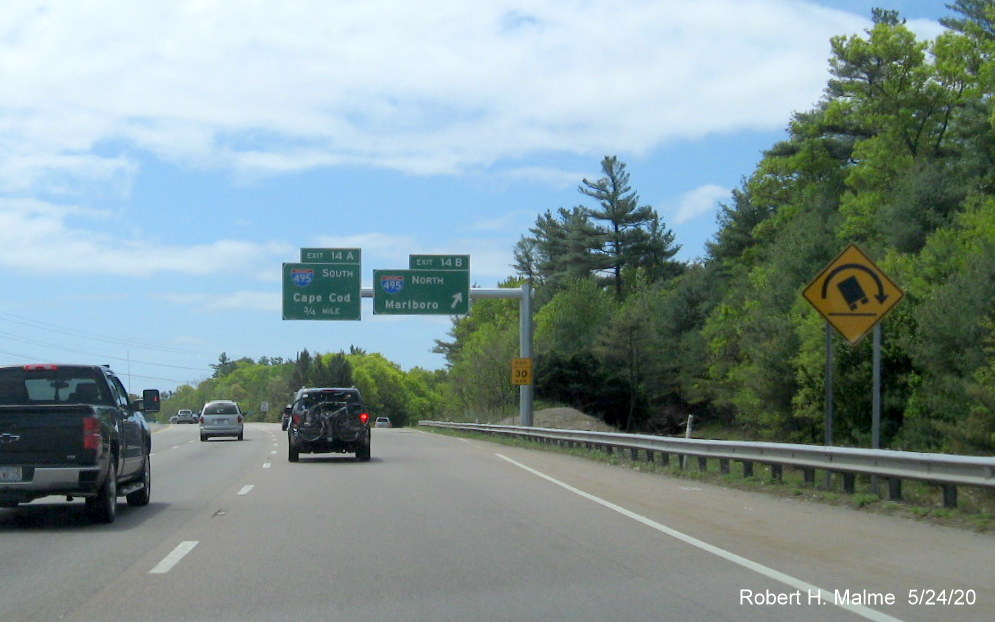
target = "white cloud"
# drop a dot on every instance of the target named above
(426, 87)
(268, 301)
(697, 203)
(36, 236)
(545, 175)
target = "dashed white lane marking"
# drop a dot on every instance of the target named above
(245, 489)
(174, 557)
(826, 596)
(267, 465)
(273, 452)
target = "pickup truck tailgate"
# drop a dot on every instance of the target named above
(44, 435)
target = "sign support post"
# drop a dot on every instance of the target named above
(525, 391)
(829, 395)
(876, 400)
(829, 384)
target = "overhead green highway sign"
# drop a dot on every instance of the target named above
(321, 291)
(439, 262)
(350, 256)
(421, 292)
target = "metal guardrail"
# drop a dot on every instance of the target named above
(947, 471)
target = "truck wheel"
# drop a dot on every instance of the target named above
(363, 453)
(293, 455)
(103, 507)
(143, 496)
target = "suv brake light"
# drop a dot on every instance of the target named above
(39, 366)
(364, 418)
(91, 433)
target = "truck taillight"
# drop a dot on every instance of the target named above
(240, 418)
(91, 433)
(40, 367)
(364, 418)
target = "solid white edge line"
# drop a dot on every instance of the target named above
(174, 557)
(245, 489)
(768, 572)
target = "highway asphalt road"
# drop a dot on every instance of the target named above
(443, 528)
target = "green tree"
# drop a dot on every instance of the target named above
(480, 354)
(301, 375)
(559, 251)
(629, 234)
(224, 366)
(571, 322)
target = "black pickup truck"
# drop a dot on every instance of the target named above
(72, 430)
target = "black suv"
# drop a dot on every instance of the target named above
(324, 420)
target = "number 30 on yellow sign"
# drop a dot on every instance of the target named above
(521, 371)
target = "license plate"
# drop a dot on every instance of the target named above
(220, 421)
(10, 474)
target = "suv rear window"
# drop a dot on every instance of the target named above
(221, 409)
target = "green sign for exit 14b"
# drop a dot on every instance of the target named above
(421, 292)
(439, 262)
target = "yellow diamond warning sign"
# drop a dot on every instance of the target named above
(852, 294)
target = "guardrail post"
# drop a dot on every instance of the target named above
(848, 483)
(777, 472)
(702, 464)
(949, 495)
(809, 475)
(649, 455)
(747, 468)
(665, 459)
(634, 453)
(724, 466)
(894, 488)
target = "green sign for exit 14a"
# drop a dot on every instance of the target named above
(421, 292)
(321, 291)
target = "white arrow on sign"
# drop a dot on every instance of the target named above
(457, 299)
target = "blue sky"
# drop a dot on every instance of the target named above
(160, 160)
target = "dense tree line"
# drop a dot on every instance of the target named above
(388, 391)
(898, 157)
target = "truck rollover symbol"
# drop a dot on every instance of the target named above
(853, 293)
(851, 289)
